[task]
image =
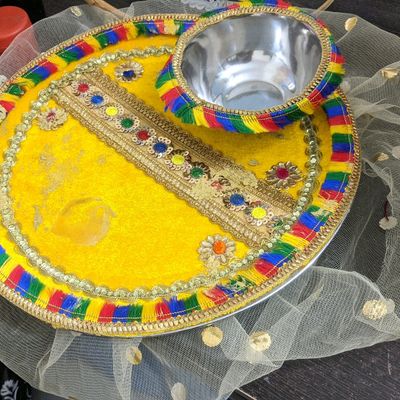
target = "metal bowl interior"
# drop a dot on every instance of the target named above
(252, 62)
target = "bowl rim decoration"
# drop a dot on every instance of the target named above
(186, 105)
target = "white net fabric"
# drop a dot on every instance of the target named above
(348, 300)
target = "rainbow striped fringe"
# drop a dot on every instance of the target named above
(193, 111)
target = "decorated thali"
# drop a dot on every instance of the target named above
(120, 218)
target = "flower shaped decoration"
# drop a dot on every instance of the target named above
(178, 160)
(283, 175)
(258, 213)
(52, 118)
(144, 136)
(197, 170)
(129, 72)
(234, 200)
(161, 147)
(387, 223)
(80, 88)
(96, 99)
(128, 123)
(112, 111)
(216, 250)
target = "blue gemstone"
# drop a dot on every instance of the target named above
(97, 99)
(129, 74)
(160, 147)
(237, 199)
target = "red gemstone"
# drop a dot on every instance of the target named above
(83, 87)
(282, 173)
(50, 116)
(142, 135)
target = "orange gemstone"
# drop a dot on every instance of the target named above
(219, 247)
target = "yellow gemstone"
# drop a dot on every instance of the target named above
(212, 336)
(258, 213)
(260, 341)
(178, 159)
(111, 111)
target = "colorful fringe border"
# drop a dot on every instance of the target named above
(57, 61)
(265, 267)
(192, 111)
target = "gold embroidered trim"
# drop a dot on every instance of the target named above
(176, 181)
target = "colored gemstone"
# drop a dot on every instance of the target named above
(237, 199)
(50, 116)
(111, 111)
(160, 147)
(127, 123)
(282, 173)
(178, 159)
(258, 213)
(97, 99)
(196, 172)
(142, 135)
(219, 247)
(83, 87)
(129, 74)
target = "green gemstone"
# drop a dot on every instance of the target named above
(196, 172)
(127, 123)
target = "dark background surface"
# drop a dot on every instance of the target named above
(365, 374)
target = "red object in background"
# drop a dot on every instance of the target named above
(13, 20)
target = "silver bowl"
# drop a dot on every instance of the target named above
(251, 62)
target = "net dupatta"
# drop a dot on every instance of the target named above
(348, 300)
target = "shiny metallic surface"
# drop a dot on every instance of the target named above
(252, 62)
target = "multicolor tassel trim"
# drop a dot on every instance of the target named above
(268, 264)
(198, 112)
(108, 37)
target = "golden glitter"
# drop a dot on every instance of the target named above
(212, 336)
(387, 223)
(134, 355)
(76, 11)
(375, 309)
(390, 73)
(260, 341)
(350, 23)
(381, 157)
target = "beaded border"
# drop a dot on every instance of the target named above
(182, 101)
(309, 234)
